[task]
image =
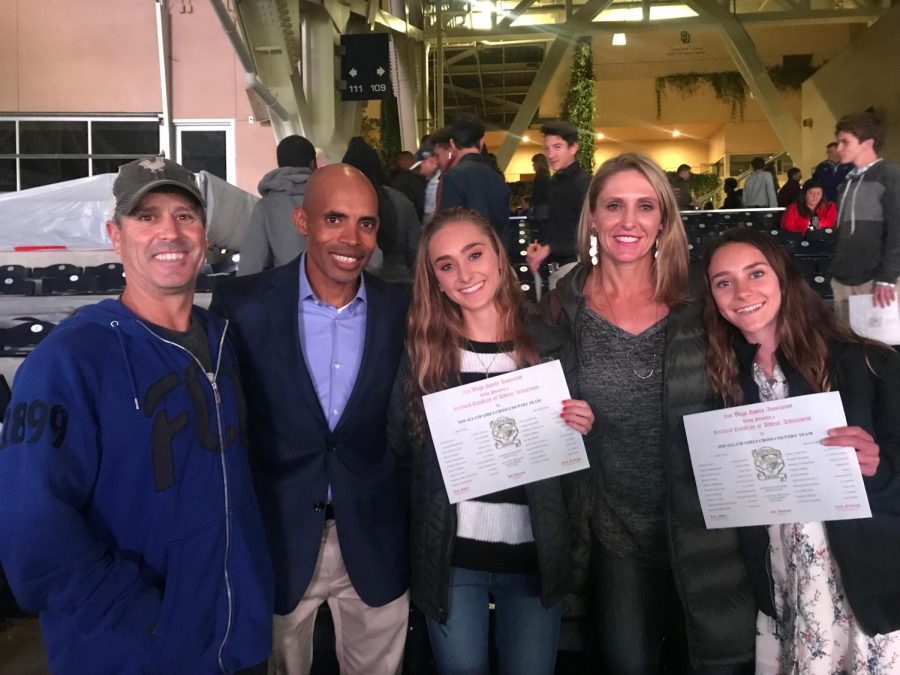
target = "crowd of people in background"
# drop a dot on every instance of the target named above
(139, 497)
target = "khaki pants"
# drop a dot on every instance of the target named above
(368, 640)
(842, 295)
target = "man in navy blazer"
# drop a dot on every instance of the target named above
(319, 342)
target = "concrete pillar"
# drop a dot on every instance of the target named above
(406, 86)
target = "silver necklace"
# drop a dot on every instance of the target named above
(639, 375)
(486, 368)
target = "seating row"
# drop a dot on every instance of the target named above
(61, 279)
(67, 279)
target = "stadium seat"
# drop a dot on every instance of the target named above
(107, 278)
(821, 284)
(62, 270)
(13, 285)
(74, 283)
(25, 335)
(17, 271)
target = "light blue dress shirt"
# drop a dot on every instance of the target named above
(332, 340)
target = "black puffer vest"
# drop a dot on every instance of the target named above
(433, 518)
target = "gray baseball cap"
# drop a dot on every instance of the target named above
(141, 176)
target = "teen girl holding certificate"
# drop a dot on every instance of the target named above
(828, 593)
(467, 322)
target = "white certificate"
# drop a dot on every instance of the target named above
(503, 431)
(875, 323)
(764, 463)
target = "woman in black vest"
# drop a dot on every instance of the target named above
(828, 593)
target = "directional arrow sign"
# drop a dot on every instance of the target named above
(365, 66)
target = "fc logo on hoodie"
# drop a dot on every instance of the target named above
(166, 428)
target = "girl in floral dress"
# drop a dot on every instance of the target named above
(828, 592)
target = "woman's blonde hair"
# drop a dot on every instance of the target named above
(670, 267)
(434, 331)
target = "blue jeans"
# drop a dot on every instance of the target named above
(526, 634)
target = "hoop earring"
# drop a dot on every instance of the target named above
(592, 251)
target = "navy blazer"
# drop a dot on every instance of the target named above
(474, 184)
(295, 457)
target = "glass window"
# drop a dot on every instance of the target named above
(7, 164)
(204, 150)
(124, 138)
(37, 172)
(53, 138)
(7, 175)
(109, 165)
(7, 138)
(55, 150)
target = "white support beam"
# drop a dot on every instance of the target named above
(503, 102)
(459, 57)
(163, 43)
(740, 46)
(406, 90)
(319, 75)
(379, 17)
(590, 9)
(269, 73)
(801, 18)
(514, 14)
(553, 58)
(496, 68)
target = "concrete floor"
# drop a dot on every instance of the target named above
(22, 653)
(21, 648)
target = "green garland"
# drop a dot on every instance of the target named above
(390, 130)
(370, 130)
(729, 86)
(383, 132)
(578, 107)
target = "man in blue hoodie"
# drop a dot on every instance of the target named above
(129, 521)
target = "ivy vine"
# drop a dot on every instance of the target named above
(578, 106)
(729, 85)
(390, 130)
(383, 132)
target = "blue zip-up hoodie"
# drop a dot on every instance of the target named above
(124, 524)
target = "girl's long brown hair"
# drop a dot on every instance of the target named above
(434, 331)
(804, 330)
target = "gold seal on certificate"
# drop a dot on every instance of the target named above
(503, 431)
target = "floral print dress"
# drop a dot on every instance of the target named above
(816, 632)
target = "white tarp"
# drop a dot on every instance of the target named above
(71, 214)
(228, 211)
(74, 213)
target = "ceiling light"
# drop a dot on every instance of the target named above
(675, 133)
(619, 40)
(599, 135)
(526, 139)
